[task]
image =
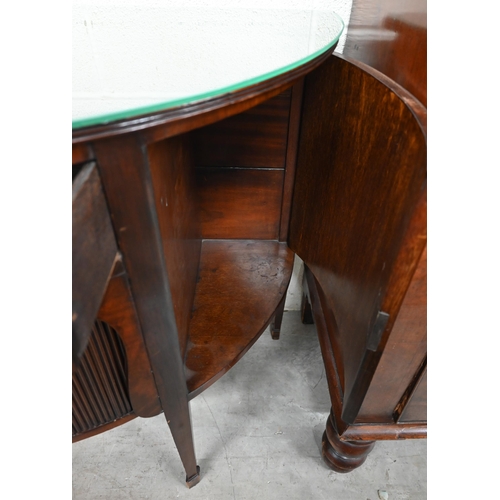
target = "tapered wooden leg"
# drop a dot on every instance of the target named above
(306, 313)
(278, 318)
(193, 480)
(343, 456)
(126, 176)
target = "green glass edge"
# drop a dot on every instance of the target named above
(131, 113)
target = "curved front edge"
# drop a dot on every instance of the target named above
(241, 286)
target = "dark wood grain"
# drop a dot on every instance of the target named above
(255, 138)
(126, 176)
(327, 331)
(132, 167)
(176, 205)
(413, 406)
(350, 149)
(384, 432)
(291, 157)
(241, 284)
(239, 203)
(359, 431)
(103, 428)
(392, 38)
(94, 251)
(360, 175)
(341, 455)
(403, 354)
(118, 310)
(99, 388)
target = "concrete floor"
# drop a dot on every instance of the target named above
(257, 435)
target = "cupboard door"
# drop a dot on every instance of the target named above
(358, 211)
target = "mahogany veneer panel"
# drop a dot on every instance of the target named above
(239, 203)
(361, 172)
(171, 167)
(118, 311)
(397, 44)
(241, 283)
(255, 138)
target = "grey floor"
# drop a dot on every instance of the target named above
(257, 435)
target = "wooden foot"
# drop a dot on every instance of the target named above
(343, 456)
(278, 318)
(195, 479)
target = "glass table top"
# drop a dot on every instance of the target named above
(131, 57)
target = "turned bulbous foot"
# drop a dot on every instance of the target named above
(343, 456)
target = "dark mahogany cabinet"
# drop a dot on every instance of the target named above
(185, 226)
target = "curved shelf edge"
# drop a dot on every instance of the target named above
(241, 284)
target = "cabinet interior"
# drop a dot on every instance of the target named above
(220, 197)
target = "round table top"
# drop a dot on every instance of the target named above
(131, 59)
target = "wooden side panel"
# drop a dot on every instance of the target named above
(403, 354)
(391, 36)
(240, 203)
(255, 138)
(119, 312)
(173, 183)
(361, 172)
(94, 251)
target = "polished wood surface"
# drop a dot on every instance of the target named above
(239, 203)
(241, 284)
(391, 36)
(118, 311)
(209, 201)
(404, 351)
(255, 138)
(314, 300)
(177, 208)
(366, 195)
(291, 157)
(341, 455)
(365, 167)
(126, 176)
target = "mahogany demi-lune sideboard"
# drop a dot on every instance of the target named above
(186, 221)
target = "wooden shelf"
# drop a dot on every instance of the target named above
(240, 285)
